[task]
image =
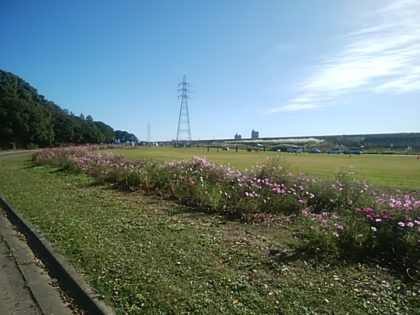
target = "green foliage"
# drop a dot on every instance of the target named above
(23, 123)
(27, 119)
(387, 231)
(276, 168)
(395, 140)
(124, 136)
(107, 133)
(347, 190)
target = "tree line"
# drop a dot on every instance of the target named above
(28, 119)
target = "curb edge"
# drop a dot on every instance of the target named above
(68, 278)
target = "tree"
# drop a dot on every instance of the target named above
(28, 118)
(124, 136)
(24, 123)
(108, 134)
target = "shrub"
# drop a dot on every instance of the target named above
(388, 230)
(276, 169)
(344, 192)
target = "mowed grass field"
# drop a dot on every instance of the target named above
(382, 170)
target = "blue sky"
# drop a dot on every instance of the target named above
(284, 68)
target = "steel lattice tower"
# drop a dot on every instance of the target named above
(148, 133)
(183, 135)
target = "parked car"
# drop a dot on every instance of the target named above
(353, 151)
(334, 151)
(314, 150)
(294, 149)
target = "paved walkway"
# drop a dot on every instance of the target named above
(15, 297)
(25, 287)
(9, 154)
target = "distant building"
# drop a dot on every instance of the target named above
(254, 134)
(237, 136)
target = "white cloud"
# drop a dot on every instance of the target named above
(292, 108)
(382, 58)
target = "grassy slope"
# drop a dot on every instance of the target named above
(146, 255)
(390, 171)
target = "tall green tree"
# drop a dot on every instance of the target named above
(23, 123)
(108, 134)
(124, 136)
(28, 118)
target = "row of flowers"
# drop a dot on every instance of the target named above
(346, 215)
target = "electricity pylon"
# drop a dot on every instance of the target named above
(148, 133)
(183, 135)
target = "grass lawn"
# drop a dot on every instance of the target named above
(144, 255)
(382, 170)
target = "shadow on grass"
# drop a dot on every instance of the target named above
(407, 272)
(200, 212)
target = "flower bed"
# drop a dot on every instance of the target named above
(345, 218)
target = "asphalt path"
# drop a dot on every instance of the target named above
(9, 154)
(15, 297)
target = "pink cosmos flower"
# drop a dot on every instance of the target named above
(324, 223)
(338, 226)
